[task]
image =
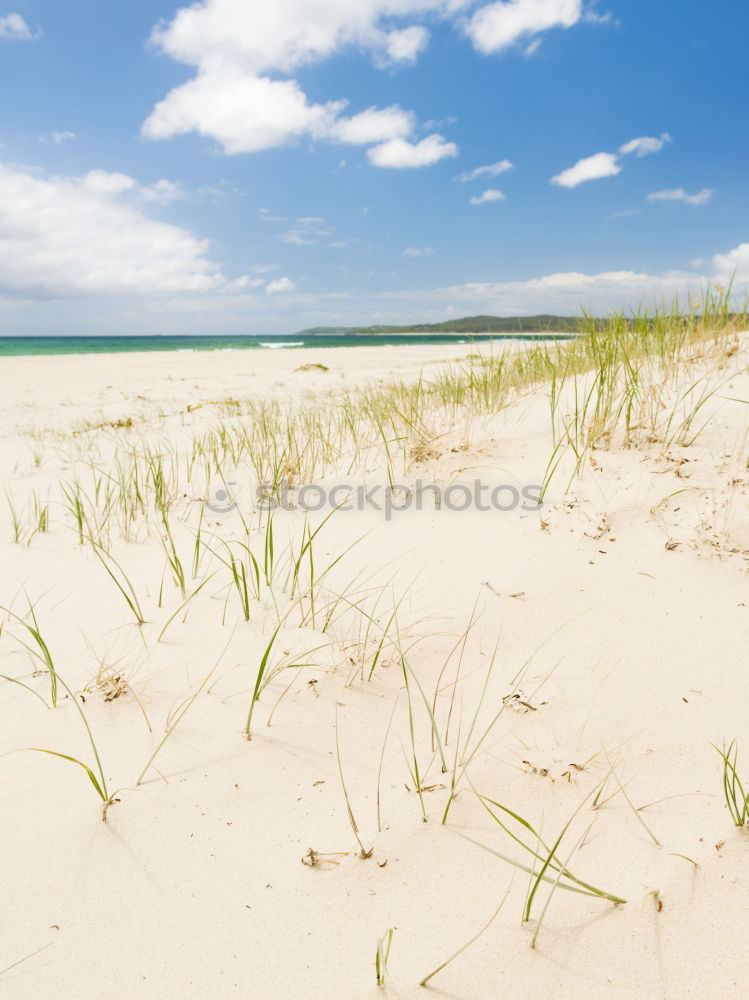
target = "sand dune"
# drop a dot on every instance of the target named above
(573, 661)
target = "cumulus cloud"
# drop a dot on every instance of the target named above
(289, 34)
(103, 182)
(497, 26)
(599, 165)
(90, 235)
(374, 125)
(400, 153)
(248, 113)
(679, 194)
(588, 169)
(280, 285)
(163, 192)
(645, 145)
(245, 113)
(733, 265)
(492, 194)
(490, 170)
(247, 282)
(236, 48)
(14, 28)
(406, 45)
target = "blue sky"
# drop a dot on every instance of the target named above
(245, 167)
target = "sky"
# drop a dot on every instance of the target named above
(242, 166)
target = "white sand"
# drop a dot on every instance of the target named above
(635, 647)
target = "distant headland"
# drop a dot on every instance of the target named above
(544, 323)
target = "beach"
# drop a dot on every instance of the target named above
(473, 681)
(74, 387)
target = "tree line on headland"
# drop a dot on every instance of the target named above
(468, 324)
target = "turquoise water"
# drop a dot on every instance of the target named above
(121, 345)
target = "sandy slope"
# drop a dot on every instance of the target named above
(629, 626)
(60, 390)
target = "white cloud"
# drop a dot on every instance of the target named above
(499, 25)
(14, 28)
(405, 45)
(591, 16)
(90, 235)
(400, 153)
(563, 293)
(490, 170)
(288, 34)
(679, 194)
(246, 282)
(418, 252)
(56, 138)
(645, 145)
(492, 194)
(280, 285)
(236, 46)
(163, 192)
(102, 182)
(374, 125)
(245, 113)
(733, 265)
(588, 169)
(599, 165)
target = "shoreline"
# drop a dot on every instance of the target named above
(205, 344)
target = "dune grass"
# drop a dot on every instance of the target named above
(382, 956)
(625, 382)
(737, 799)
(38, 649)
(542, 861)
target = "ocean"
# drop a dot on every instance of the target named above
(15, 346)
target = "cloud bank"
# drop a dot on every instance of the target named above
(91, 235)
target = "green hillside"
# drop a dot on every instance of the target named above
(468, 324)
